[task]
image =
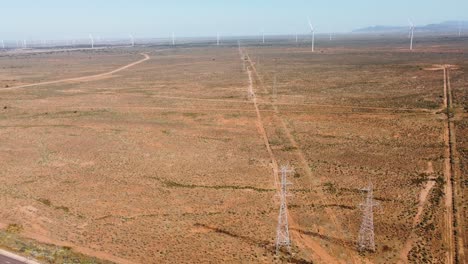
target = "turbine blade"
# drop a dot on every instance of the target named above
(310, 25)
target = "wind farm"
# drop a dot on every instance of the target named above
(312, 145)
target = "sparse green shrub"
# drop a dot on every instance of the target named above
(14, 228)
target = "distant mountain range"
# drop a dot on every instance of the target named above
(447, 26)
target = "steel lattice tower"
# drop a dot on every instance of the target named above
(366, 232)
(282, 231)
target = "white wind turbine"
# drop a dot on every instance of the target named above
(459, 28)
(313, 35)
(217, 39)
(263, 36)
(411, 34)
(173, 39)
(3, 44)
(132, 40)
(92, 40)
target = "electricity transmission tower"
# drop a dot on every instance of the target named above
(282, 231)
(366, 232)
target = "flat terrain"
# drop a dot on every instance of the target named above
(167, 161)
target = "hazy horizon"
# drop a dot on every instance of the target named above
(53, 19)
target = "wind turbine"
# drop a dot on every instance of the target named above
(411, 33)
(217, 39)
(173, 39)
(92, 40)
(132, 40)
(263, 36)
(313, 35)
(296, 37)
(459, 28)
(3, 44)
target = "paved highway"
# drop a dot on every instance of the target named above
(8, 260)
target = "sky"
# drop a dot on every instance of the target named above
(58, 19)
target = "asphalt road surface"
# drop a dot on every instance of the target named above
(8, 260)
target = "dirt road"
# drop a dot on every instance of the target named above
(83, 78)
(318, 251)
(448, 190)
(457, 221)
(423, 195)
(305, 166)
(260, 125)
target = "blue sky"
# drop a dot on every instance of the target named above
(118, 18)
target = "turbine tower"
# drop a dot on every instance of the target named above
(459, 28)
(366, 232)
(263, 36)
(92, 40)
(173, 39)
(217, 39)
(132, 40)
(3, 44)
(411, 33)
(282, 231)
(313, 35)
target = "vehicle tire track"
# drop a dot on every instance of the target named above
(448, 190)
(318, 251)
(423, 195)
(260, 125)
(305, 165)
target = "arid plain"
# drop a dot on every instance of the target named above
(174, 158)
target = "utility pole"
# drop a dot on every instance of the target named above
(366, 232)
(282, 231)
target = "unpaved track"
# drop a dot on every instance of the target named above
(83, 78)
(448, 190)
(260, 125)
(318, 251)
(305, 165)
(301, 239)
(458, 222)
(422, 201)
